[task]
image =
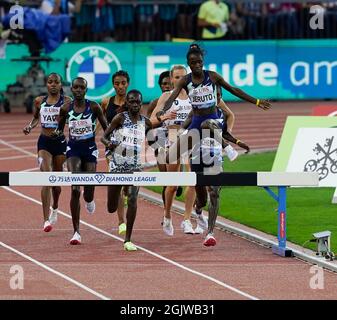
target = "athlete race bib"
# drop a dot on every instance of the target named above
(81, 129)
(48, 117)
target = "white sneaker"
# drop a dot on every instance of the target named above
(168, 226)
(53, 216)
(202, 221)
(198, 230)
(187, 227)
(90, 206)
(47, 226)
(76, 239)
(231, 153)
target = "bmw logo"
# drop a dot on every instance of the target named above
(96, 65)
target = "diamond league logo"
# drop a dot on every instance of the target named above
(95, 64)
(99, 177)
(52, 179)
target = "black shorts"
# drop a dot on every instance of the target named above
(86, 150)
(55, 146)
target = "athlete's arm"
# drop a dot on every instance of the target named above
(175, 93)
(263, 104)
(229, 113)
(151, 107)
(33, 123)
(238, 142)
(97, 110)
(62, 118)
(188, 121)
(116, 122)
(104, 106)
(156, 121)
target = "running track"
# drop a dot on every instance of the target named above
(163, 268)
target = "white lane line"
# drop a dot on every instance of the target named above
(31, 169)
(10, 149)
(42, 265)
(14, 157)
(18, 148)
(197, 273)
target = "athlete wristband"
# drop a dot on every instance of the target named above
(237, 141)
(257, 102)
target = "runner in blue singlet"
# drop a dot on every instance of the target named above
(51, 150)
(82, 153)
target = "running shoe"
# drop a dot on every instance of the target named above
(90, 206)
(129, 246)
(187, 227)
(53, 216)
(76, 239)
(179, 191)
(47, 226)
(198, 230)
(202, 221)
(231, 153)
(122, 229)
(168, 226)
(210, 240)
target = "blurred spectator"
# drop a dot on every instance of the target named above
(103, 24)
(145, 15)
(124, 17)
(213, 17)
(187, 17)
(253, 14)
(167, 24)
(283, 20)
(60, 6)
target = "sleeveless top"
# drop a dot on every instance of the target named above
(202, 95)
(113, 109)
(183, 107)
(129, 137)
(49, 113)
(81, 125)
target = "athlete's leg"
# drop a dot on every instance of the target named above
(131, 212)
(46, 164)
(74, 165)
(120, 208)
(113, 197)
(58, 162)
(170, 191)
(213, 208)
(161, 163)
(89, 191)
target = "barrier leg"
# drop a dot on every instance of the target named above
(281, 199)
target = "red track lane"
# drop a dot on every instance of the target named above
(170, 268)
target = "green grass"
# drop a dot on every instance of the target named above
(309, 210)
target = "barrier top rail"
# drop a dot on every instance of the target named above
(260, 179)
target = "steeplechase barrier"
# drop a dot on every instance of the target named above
(281, 180)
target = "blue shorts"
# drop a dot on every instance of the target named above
(198, 120)
(55, 146)
(86, 150)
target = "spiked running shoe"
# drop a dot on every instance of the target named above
(76, 239)
(129, 246)
(47, 227)
(53, 216)
(122, 229)
(210, 240)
